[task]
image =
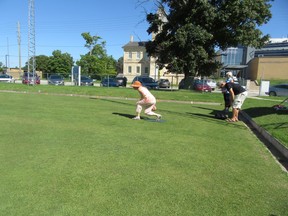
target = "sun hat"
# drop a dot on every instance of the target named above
(136, 84)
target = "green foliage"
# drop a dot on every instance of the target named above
(60, 63)
(42, 63)
(92, 44)
(187, 36)
(96, 62)
(1, 67)
(119, 65)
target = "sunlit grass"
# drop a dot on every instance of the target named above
(63, 155)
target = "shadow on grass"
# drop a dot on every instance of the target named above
(257, 112)
(279, 125)
(261, 111)
(142, 118)
(124, 115)
(204, 117)
(211, 117)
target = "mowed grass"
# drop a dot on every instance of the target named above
(64, 155)
(273, 121)
(261, 111)
(182, 95)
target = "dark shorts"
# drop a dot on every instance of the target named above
(227, 99)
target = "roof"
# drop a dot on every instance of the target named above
(135, 44)
(234, 67)
(270, 53)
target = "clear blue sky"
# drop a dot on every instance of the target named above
(59, 24)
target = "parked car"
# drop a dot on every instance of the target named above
(84, 81)
(109, 82)
(55, 79)
(278, 90)
(211, 83)
(6, 78)
(122, 81)
(29, 78)
(148, 82)
(201, 85)
(186, 83)
(164, 83)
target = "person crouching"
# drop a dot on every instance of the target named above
(147, 101)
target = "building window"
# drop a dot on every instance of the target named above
(146, 70)
(233, 56)
(130, 55)
(138, 55)
(138, 69)
(129, 69)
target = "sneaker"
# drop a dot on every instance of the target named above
(158, 118)
(136, 118)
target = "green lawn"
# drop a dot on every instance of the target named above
(263, 113)
(63, 155)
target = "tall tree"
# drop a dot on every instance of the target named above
(92, 43)
(119, 65)
(186, 37)
(96, 62)
(42, 63)
(1, 67)
(60, 63)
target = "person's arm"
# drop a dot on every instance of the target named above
(142, 93)
(232, 95)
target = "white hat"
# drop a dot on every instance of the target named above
(229, 74)
(220, 83)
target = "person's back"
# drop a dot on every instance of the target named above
(237, 88)
(146, 95)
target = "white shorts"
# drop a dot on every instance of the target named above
(239, 100)
(147, 106)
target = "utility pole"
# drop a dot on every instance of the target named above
(31, 38)
(7, 58)
(19, 46)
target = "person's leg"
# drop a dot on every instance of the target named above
(227, 103)
(138, 111)
(235, 113)
(148, 110)
(237, 104)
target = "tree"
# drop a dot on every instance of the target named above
(119, 65)
(96, 62)
(57, 63)
(60, 63)
(42, 63)
(1, 67)
(187, 38)
(93, 45)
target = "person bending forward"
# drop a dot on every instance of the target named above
(238, 95)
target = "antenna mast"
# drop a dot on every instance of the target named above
(19, 45)
(31, 38)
